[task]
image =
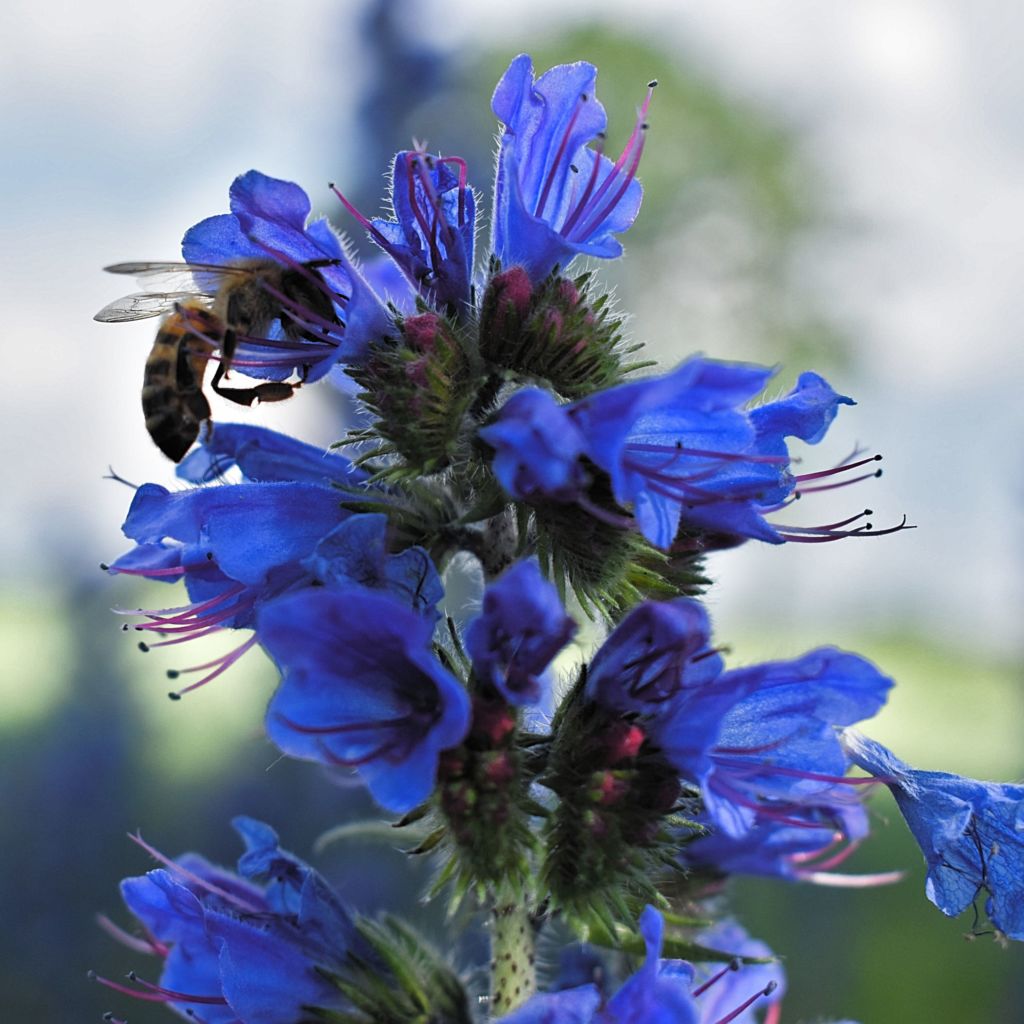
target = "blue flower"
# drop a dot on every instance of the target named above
(971, 833)
(658, 651)
(235, 546)
(659, 992)
(761, 741)
(777, 751)
(555, 198)
(362, 688)
(269, 219)
(537, 448)
(431, 239)
(234, 950)
(521, 628)
(681, 449)
(265, 456)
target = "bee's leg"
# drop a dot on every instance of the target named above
(268, 391)
(228, 343)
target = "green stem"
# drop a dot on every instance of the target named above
(513, 970)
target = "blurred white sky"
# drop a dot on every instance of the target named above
(124, 123)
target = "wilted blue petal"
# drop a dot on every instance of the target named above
(971, 833)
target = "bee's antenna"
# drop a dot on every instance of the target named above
(112, 475)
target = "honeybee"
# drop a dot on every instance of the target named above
(172, 387)
(217, 307)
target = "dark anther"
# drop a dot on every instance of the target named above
(173, 673)
(104, 566)
(652, 84)
(144, 647)
(174, 696)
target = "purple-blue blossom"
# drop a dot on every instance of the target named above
(761, 741)
(238, 949)
(362, 688)
(235, 546)
(431, 238)
(970, 832)
(269, 219)
(681, 450)
(554, 197)
(264, 456)
(521, 627)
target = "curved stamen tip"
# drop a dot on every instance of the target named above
(652, 84)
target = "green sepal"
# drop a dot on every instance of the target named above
(402, 980)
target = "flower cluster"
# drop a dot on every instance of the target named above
(588, 795)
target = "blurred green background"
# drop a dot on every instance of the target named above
(830, 192)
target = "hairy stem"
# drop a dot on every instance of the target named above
(513, 971)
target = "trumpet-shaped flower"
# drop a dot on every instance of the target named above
(431, 237)
(361, 688)
(247, 949)
(521, 628)
(340, 315)
(681, 449)
(555, 198)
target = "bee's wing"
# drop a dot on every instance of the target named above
(140, 306)
(196, 278)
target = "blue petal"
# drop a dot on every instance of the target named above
(264, 456)
(521, 628)
(167, 908)
(219, 240)
(246, 529)
(537, 448)
(356, 553)
(971, 833)
(806, 412)
(266, 971)
(361, 687)
(656, 654)
(571, 1006)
